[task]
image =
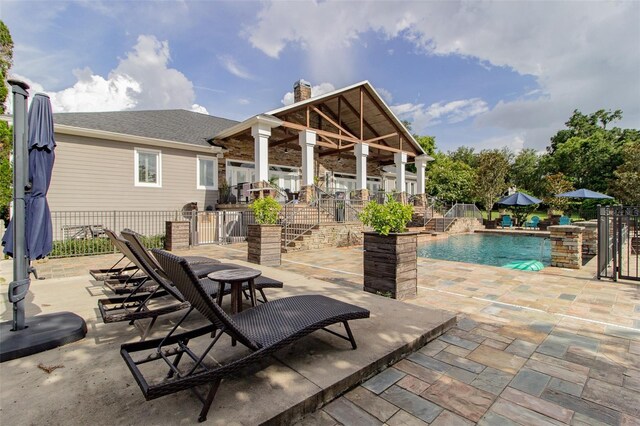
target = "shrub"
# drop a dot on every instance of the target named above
(99, 245)
(266, 210)
(387, 218)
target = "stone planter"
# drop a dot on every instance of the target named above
(390, 264)
(264, 244)
(177, 235)
(490, 224)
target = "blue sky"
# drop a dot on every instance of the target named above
(481, 74)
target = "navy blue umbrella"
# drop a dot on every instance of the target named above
(584, 193)
(41, 145)
(519, 199)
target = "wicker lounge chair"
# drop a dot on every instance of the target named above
(129, 281)
(201, 266)
(263, 330)
(135, 306)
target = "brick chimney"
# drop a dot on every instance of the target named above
(301, 90)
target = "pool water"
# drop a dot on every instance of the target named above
(485, 249)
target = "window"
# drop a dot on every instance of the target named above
(207, 170)
(148, 167)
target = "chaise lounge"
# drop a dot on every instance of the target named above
(263, 330)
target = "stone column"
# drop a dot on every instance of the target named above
(177, 235)
(566, 246)
(589, 237)
(261, 132)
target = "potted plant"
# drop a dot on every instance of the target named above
(390, 253)
(264, 237)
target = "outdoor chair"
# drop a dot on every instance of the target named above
(201, 266)
(136, 305)
(564, 220)
(533, 223)
(506, 222)
(126, 281)
(263, 330)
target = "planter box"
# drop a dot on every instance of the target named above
(490, 224)
(390, 264)
(264, 244)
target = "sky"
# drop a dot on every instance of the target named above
(479, 74)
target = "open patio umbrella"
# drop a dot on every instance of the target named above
(30, 232)
(519, 199)
(584, 193)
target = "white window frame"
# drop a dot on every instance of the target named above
(215, 172)
(136, 161)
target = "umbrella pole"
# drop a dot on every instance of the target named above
(20, 285)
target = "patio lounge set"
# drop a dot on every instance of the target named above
(158, 283)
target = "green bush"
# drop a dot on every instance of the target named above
(391, 217)
(266, 210)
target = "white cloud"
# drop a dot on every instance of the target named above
(422, 116)
(231, 65)
(583, 55)
(318, 90)
(142, 80)
(243, 101)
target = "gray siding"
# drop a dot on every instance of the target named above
(98, 175)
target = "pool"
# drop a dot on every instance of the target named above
(486, 249)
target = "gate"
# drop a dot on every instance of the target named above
(220, 227)
(619, 242)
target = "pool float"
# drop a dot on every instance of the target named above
(525, 265)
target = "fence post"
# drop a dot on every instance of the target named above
(113, 228)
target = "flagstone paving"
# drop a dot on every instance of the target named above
(530, 348)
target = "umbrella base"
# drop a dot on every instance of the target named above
(43, 332)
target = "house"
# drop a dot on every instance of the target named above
(345, 141)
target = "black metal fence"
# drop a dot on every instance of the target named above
(618, 242)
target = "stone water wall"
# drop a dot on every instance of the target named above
(463, 225)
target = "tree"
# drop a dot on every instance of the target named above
(491, 177)
(557, 184)
(626, 185)
(587, 152)
(6, 135)
(466, 155)
(428, 144)
(525, 171)
(449, 180)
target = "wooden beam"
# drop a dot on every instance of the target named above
(326, 117)
(361, 115)
(380, 137)
(297, 126)
(392, 123)
(366, 124)
(328, 140)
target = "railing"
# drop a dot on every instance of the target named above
(464, 210)
(220, 227)
(81, 233)
(297, 219)
(441, 216)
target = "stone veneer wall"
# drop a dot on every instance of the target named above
(566, 246)
(465, 224)
(177, 235)
(589, 236)
(330, 235)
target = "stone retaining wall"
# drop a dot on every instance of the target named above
(329, 235)
(463, 225)
(589, 236)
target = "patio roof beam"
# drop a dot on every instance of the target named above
(301, 127)
(283, 141)
(326, 117)
(366, 124)
(381, 137)
(381, 111)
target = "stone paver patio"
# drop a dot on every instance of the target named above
(552, 347)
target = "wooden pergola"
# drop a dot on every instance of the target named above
(341, 120)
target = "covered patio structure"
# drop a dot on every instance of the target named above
(348, 134)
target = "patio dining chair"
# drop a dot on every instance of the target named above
(564, 220)
(533, 223)
(263, 330)
(506, 222)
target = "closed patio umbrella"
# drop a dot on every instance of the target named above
(30, 232)
(584, 193)
(519, 199)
